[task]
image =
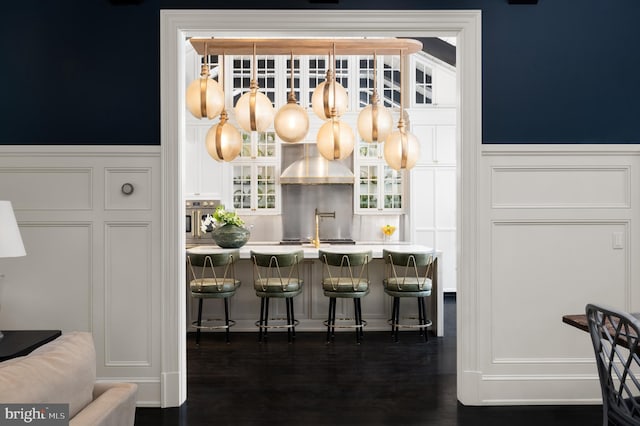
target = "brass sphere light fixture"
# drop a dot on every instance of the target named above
(329, 94)
(205, 96)
(401, 148)
(254, 110)
(223, 141)
(374, 121)
(335, 138)
(291, 121)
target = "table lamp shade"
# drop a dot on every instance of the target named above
(10, 240)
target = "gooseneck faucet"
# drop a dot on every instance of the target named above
(318, 215)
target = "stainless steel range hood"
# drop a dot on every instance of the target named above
(314, 169)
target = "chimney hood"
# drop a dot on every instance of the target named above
(314, 169)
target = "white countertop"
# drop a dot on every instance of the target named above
(311, 252)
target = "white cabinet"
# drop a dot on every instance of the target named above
(379, 188)
(255, 175)
(433, 187)
(204, 177)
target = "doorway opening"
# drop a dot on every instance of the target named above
(179, 25)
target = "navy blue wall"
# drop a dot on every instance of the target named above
(87, 72)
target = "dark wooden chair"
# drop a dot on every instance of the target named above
(615, 337)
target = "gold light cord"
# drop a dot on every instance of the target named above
(326, 88)
(292, 96)
(336, 123)
(204, 79)
(374, 100)
(403, 135)
(223, 115)
(254, 89)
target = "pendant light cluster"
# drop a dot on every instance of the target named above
(335, 139)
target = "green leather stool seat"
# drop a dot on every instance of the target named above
(277, 275)
(275, 287)
(212, 275)
(345, 276)
(407, 286)
(407, 274)
(345, 287)
(213, 288)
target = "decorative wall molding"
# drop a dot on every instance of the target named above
(560, 187)
(76, 275)
(558, 230)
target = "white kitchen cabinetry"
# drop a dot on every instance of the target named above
(378, 187)
(255, 175)
(433, 188)
(204, 177)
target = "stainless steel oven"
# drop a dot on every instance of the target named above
(196, 210)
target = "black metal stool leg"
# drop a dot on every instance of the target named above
(293, 319)
(199, 321)
(286, 303)
(261, 319)
(394, 306)
(361, 328)
(420, 316)
(397, 320)
(226, 317)
(331, 301)
(361, 321)
(357, 319)
(424, 316)
(266, 317)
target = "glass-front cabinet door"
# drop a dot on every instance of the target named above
(255, 173)
(379, 188)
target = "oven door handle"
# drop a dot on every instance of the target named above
(198, 222)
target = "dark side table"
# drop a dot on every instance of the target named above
(17, 343)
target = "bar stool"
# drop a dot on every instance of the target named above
(277, 274)
(345, 275)
(215, 280)
(407, 274)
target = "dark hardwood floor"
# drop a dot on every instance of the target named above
(311, 383)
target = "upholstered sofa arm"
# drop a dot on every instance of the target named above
(114, 404)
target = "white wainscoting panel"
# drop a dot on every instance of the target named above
(564, 262)
(50, 188)
(93, 253)
(128, 295)
(561, 187)
(50, 287)
(558, 228)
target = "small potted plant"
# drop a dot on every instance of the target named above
(227, 228)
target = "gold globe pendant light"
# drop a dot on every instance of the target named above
(205, 96)
(254, 110)
(291, 122)
(329, 94)
(335, 139)
(401, 148)
(223, 141)
(374, 121)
